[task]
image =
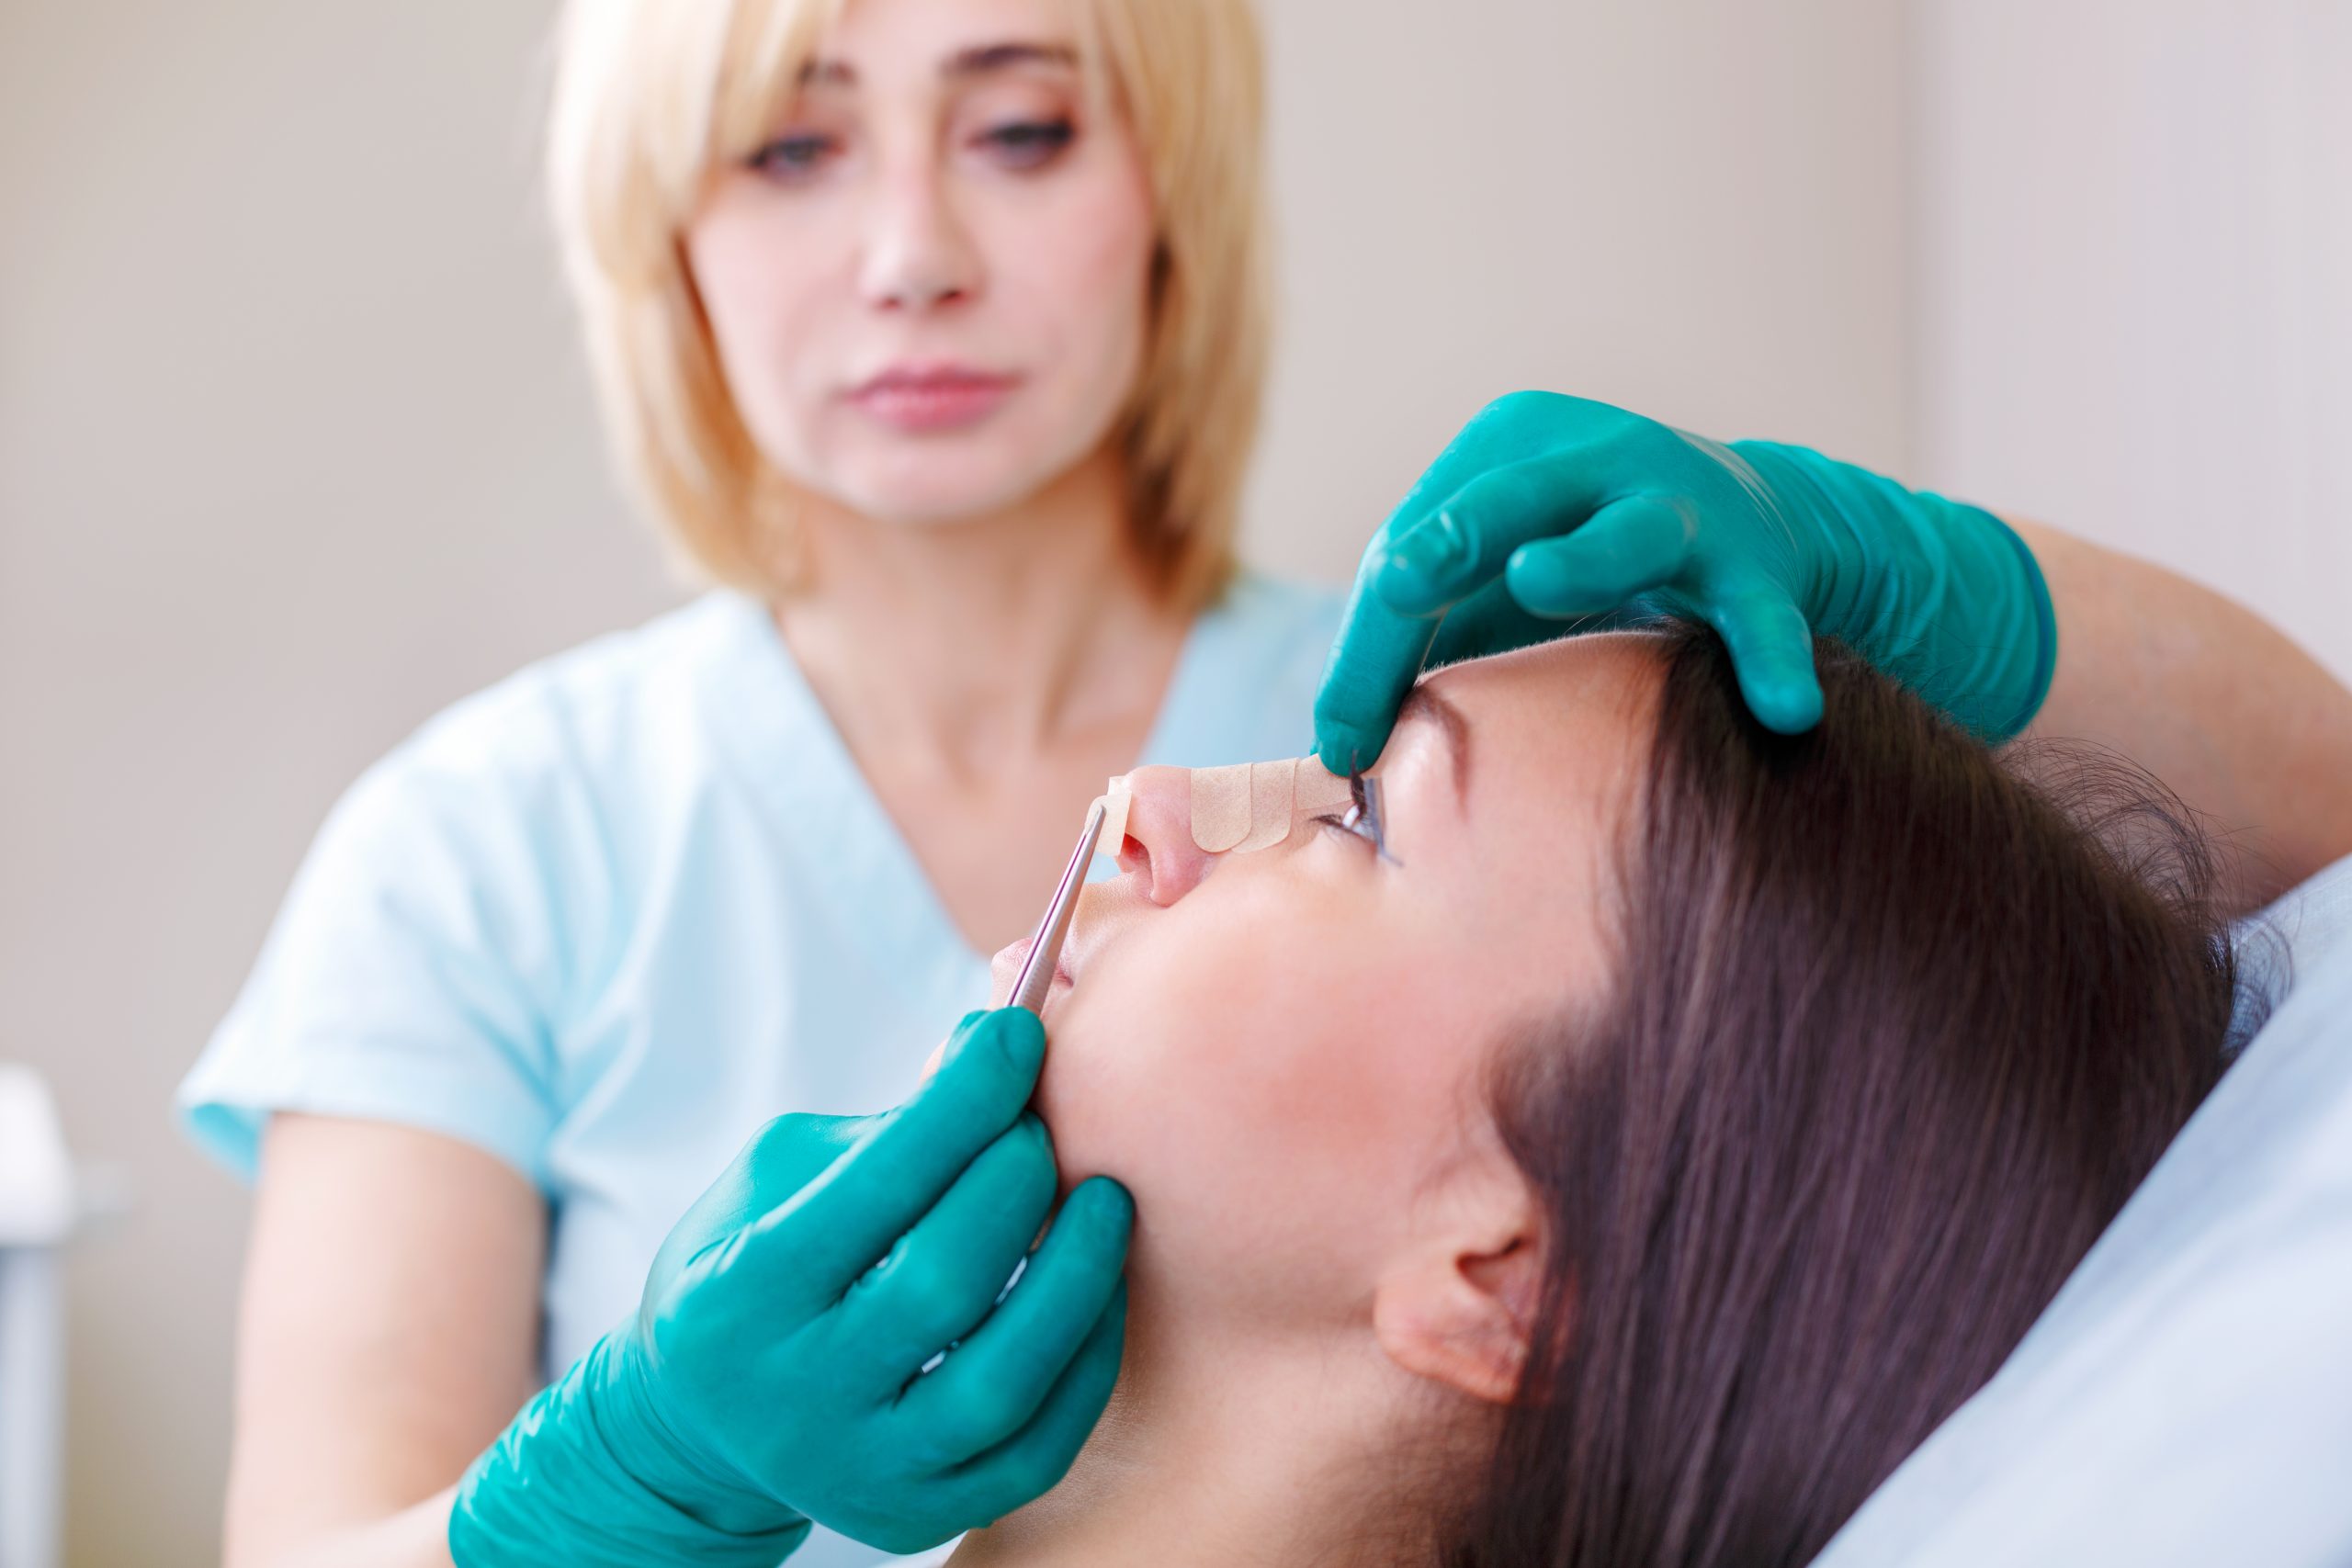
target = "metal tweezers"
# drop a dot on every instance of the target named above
(1046, 949)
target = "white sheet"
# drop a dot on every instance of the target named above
(2187, 1397)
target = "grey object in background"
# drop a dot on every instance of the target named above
(37, 1213)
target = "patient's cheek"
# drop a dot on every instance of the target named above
(1107, 1087)
(1079, 1104)
(1186, 1092)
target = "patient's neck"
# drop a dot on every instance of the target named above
(1228, 1455)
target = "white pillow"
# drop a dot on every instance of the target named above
(2187, 1399)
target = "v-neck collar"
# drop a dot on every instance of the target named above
(844, 839)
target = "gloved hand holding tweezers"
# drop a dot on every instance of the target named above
(785, 1364)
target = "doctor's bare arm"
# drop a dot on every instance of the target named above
(2245, 727)
(387, 1332)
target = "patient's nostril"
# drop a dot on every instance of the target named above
(1159, 848)
(1132, 855)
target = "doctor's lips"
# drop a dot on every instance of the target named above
(917, 398)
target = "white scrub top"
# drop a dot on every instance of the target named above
(609, 916)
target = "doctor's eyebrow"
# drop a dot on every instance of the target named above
(1424, 702)
(992, 57)
(981, 60)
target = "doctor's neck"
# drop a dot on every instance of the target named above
(1003, 632)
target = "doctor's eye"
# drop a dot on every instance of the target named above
(790, 159)
(1029, 143)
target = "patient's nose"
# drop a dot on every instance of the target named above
(1159, 846)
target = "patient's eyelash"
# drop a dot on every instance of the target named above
(1364, 816)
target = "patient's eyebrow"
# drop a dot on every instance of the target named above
(1422, 701)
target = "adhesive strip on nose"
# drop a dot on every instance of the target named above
(1270, 805)
(1251, 806)
(1220, 806)
(1114, 800)
(1319, 792)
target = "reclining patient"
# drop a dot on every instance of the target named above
(1625, 1145)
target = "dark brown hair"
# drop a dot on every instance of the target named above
(1895, 1034)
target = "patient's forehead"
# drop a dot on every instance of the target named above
(1587, 703)
(1559, 745)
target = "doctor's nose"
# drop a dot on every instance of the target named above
(918, 254)
(1159, 848)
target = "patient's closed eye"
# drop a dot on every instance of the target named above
(1363, 818)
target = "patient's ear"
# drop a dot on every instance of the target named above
(1458, 1306)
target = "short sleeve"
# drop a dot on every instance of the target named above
(412, 975)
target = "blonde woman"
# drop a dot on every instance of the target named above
(932, 329)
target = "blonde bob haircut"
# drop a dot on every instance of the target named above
(651, 96)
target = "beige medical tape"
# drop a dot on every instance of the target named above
(1114, 803)
(1247, 807)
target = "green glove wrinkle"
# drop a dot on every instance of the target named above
(554, 1477)
(1940, 595)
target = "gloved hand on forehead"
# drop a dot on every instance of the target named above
(774, 1373)
(1550, 515)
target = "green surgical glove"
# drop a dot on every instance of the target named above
(773, 1373)
(1550, 515)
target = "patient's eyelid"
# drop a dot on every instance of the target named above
(1363, 819)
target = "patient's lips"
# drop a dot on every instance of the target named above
(1004, 969)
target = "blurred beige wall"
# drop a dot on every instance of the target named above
(294, 449)
(2134, 293)
(1692, 207)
